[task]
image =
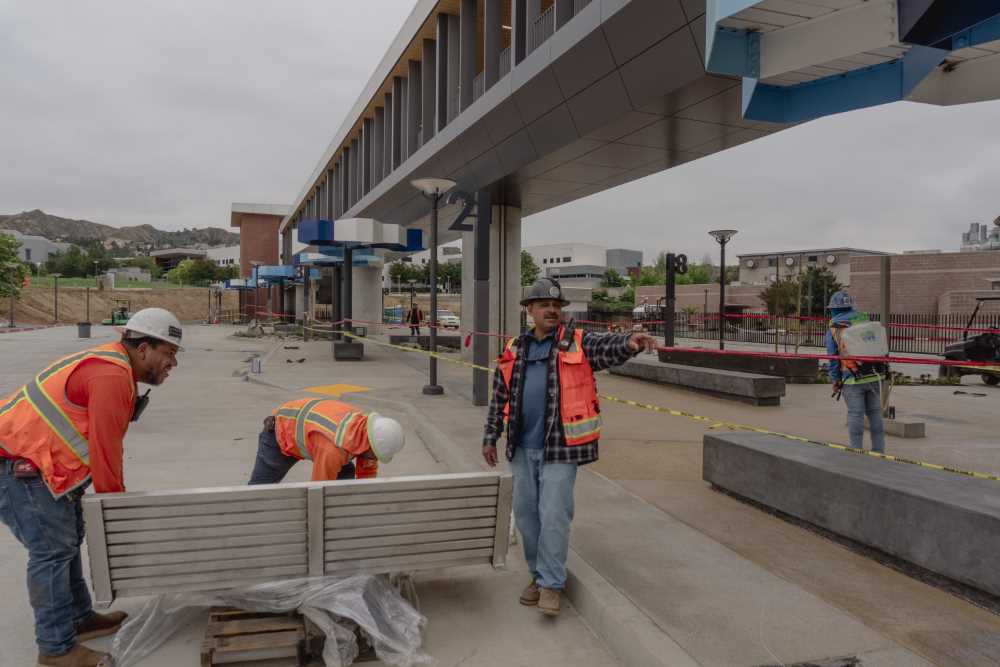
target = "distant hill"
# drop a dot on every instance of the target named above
(55, 228)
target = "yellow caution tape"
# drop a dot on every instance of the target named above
(717, 423)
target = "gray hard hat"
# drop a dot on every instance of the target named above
(542, 290)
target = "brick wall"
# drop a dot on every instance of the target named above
(258, 241)
(965, 302)
(920, 281)
(694, 296)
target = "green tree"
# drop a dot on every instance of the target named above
(149, 264)
(71, 263)
(529, 270)
(450, 274)
(193, 272)
(818, 283)
(780, 297)
(12, 269)
(697, 274)
(650, 276)
(226, 272)
(612, 278)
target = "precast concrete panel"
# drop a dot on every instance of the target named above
(455, 66)
(667, 66)
(397, 122)
(442, 62)
(641, 24)
(387, 139)
(413, 108)
(378, 146)
(467, 46)
(428, 98)
(492, 44)
(367, 132)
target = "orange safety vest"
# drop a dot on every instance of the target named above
(579, 407)
(39, 423)
(341, 424)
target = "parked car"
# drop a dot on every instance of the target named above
(448, 319)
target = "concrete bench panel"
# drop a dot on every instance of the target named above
(745, 387)
(795, 371)
(211, 539)
(944, 522)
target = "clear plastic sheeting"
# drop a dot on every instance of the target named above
(336, 605)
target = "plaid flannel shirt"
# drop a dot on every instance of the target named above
(602, 351)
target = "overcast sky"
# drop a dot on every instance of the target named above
(131, 111)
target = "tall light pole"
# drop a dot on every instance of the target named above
(722, 236)
(57, 276)
(433, 189)
(256, 288)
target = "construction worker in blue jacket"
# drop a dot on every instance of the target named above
(859, 382)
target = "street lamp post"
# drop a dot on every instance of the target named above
(57, 276)
(433, 189)
(722, 236)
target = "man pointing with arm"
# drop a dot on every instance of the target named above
(545, 395)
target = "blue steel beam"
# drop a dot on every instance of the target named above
(858, 89)
(949, 24)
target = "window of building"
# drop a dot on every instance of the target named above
(567, 259)
(545, 261)
(27, 254)
(813, 258)
(771, 261)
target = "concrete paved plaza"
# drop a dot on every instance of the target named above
(659, 560)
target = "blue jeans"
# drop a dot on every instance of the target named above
(865, 399)
(272, 465)
(52, 532)
(543, 511)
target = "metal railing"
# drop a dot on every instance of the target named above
(910, 333)
(505, 62)
(478, 86)
(578, 6)
(542, 28)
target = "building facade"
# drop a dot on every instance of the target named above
(581, 264)
(623, 260)
(225, 256)
(981, 237)
(35, 249)
(764, 268)
(258, 225)
(944, 283)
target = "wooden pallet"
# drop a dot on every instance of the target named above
(237, 637)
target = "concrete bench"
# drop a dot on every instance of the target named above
(424, 341)
(213, 539)
(735, 385)
(795, 371)
(943, 522)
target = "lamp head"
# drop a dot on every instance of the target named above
(433, 187)
(723, 235)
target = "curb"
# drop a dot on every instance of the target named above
(629, 633)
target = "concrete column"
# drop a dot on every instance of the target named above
(467, 20)
(428, 98)
(454, 66)
(476, 297)
(413, 110)
(442, 61)
(504, 273)
(336, 300)
(367, 130)
(338, 188)
(378, 147)
(492, 28)
(519, 32)
(564, 12)
(387, 140)
(397, 121)
(366, 297)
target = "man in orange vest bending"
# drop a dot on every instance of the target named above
(332, 434)
(59, 433)
(545, 395)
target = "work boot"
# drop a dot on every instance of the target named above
(80, 656)
(529, 596)
(99, 625)
(548, 601)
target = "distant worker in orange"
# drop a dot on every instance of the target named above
(60, 433)
(342, 441)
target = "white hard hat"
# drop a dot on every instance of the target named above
(385, 435)
(155, 323)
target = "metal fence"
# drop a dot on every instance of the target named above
(913, 333)
(506, 61)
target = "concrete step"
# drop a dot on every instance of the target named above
(795, 371)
